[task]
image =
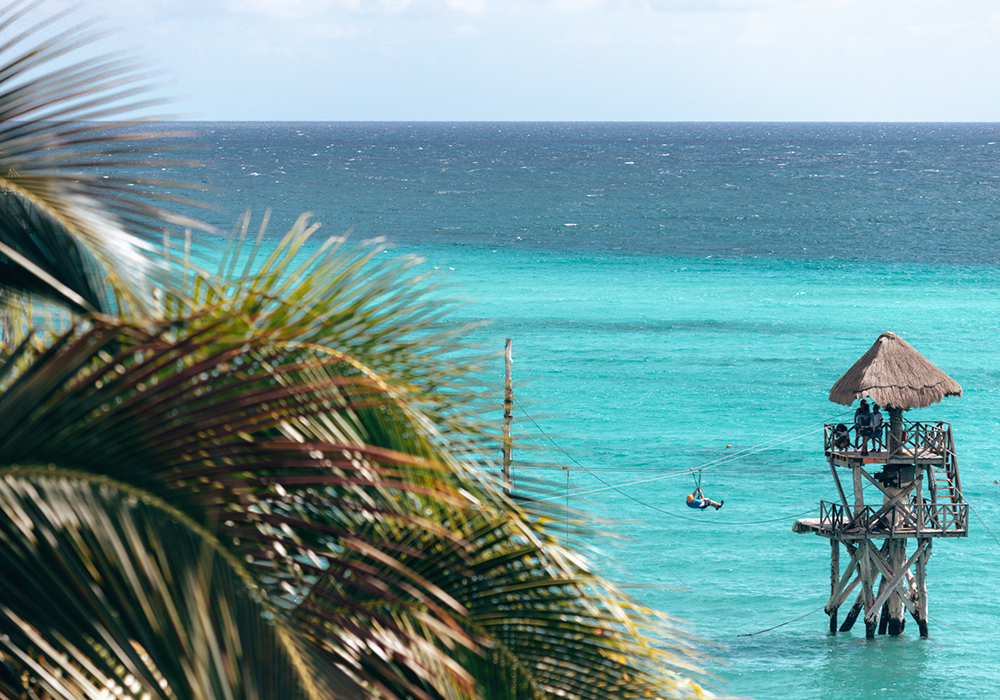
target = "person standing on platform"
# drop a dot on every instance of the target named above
(877, 421)
(864, 427)
(857, 427)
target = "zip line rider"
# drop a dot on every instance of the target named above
(698, 500)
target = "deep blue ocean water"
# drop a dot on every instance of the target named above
(683, 296)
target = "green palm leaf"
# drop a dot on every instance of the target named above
(265, 483)
(360, 519)
(109, 587)
(77, 228)
(199, 421)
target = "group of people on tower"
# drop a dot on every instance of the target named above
(867, 426)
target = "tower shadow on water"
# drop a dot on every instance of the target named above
(917, 478)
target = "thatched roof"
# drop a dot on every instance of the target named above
(892, 373)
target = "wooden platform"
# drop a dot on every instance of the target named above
(851, 458)
(805, 526)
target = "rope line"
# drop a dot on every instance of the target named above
(961, 494)
(643, 503)
(606, 512)
(636, 540)
(755, 449)
(753, 634)
(983, 522)
(719, 462)
(946, 624)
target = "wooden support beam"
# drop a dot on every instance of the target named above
(834, 581)
(921, 581)
(883, 619)
(876, 483)
(892, 499)
(920, 501)
(847, 590)
(855, 610)
(835, 595)
(859, 496)
(897, 598)
(895, 578)
(840, 488)
(867, 582)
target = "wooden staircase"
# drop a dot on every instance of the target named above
(946, 490)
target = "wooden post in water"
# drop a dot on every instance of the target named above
(921, 585)
(508, 404)
(834, 583)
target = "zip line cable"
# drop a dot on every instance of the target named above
(636, 540)
(755, 449)
(754, 634)
(642, 503)
(961, 494)
(984, 523)
(946, 624)
(716, 463)
(606, 512)
(696, 475)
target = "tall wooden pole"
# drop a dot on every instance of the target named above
(834, 581)
(508, 404)
(897, 560)
(922, 585)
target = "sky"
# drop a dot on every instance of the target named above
(568, 60)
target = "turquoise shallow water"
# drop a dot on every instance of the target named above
(641, 367)
(672, 289)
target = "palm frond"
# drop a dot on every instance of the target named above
(78, 228)
(374, 552)
(201, 419)
(361, 303)
(107, 587)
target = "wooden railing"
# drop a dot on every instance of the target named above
(919, 439)
(912, 519)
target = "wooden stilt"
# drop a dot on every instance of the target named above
(894, 605)
(884, 610)
(853, 613)
(867, 583)
(870, 626)
(841, 588)
(834, 583)
(922, 585)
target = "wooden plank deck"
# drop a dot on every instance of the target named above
(852, 457)
(812, 525)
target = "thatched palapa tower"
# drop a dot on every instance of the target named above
(921, 495)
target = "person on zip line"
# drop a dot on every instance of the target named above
(698, 500)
